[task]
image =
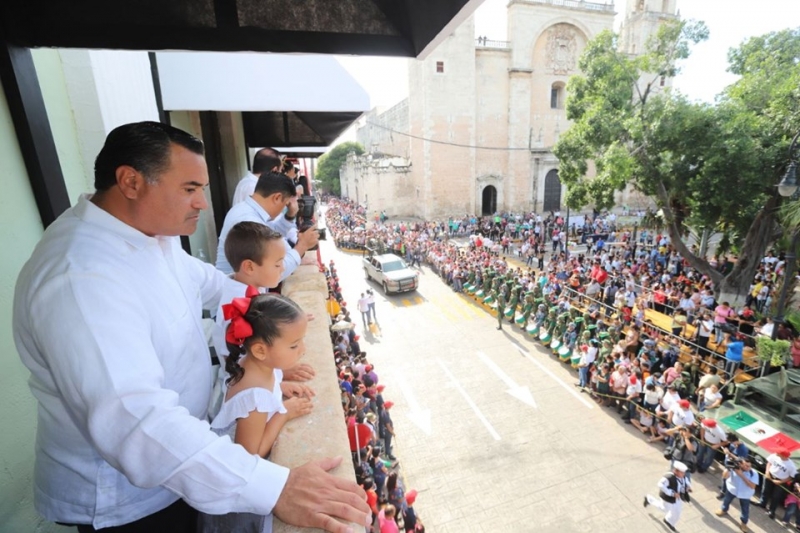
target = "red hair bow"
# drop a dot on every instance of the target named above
(239, 328)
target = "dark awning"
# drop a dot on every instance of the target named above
(365, 27)
(280, 129)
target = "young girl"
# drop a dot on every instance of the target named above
(264, 337)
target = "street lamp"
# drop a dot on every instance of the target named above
(786, 188)
(788, 185)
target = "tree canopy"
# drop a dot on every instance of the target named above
(707, 166)
(330, 162)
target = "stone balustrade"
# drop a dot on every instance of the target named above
(321, 433)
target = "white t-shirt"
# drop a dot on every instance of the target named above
(680, 416)
(363, 305)
(710, 396)
(714, 435)
(246, 187)
(780, 468)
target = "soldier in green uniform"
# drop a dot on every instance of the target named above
(501, 306)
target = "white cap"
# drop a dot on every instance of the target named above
(679, 466)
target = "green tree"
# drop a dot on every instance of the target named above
(707, 166)
(330, 163)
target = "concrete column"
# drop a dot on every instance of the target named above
(519, 127)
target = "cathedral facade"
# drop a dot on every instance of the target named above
(476, 134)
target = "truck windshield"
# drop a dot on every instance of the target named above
(391, 266)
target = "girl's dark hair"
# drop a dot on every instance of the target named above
(267, 314)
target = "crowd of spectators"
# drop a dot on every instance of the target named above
(368, 418)
(642, 326)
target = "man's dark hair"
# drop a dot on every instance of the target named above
(145, 146)
(266, 160)
(248, 240)
(271, 182)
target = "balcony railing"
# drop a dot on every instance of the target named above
(577, 4)
(483, 42)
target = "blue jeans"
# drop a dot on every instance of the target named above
(372, 311)
(705, 457)
(583, 376)
(744, 504)
(791, 511)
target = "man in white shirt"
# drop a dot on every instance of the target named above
(265, 160)
(779, 475)
(712, 437)
(274, 192)
(107, 318)
(680, 414)
(363, 308)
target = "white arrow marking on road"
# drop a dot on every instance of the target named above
(469, 401)
(420, 417)
(544, 369)
(521, 393)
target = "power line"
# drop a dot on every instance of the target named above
(458, 145)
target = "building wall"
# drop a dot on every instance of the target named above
(498, 96)
(384, 131)
(442, 107)
(20, 230)
(381, 184)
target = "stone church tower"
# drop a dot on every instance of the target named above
(482, 117)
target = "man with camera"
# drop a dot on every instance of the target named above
(273, 193)
(740, 482)
(673, 490)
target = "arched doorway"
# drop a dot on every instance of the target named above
(552, 192)
(489, 203)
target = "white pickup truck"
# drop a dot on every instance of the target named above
(391, 272)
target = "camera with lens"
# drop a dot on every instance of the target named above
(306, 205)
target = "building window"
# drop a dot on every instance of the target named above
(663, 80)
(440, 67)
(557, 95)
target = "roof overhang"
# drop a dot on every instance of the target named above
(409, 28)
(285, 100)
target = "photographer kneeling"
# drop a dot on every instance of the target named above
(740, 482)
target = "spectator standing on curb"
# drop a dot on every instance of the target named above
(779, 475)
(712, 438)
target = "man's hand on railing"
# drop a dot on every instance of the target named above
(314, 498)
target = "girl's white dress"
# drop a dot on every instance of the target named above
(239, 406)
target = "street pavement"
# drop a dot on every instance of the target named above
(493, 434)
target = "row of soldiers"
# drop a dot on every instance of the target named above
(542, 314)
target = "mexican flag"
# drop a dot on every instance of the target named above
(760, 433)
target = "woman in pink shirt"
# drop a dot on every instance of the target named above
(721, 315)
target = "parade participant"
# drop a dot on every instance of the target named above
(107, 318)
(501, 306)
(674, 489)
(740, 483)
(264, 337)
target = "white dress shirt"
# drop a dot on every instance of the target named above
(250, 211)
(108, 321)
(245, 188)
